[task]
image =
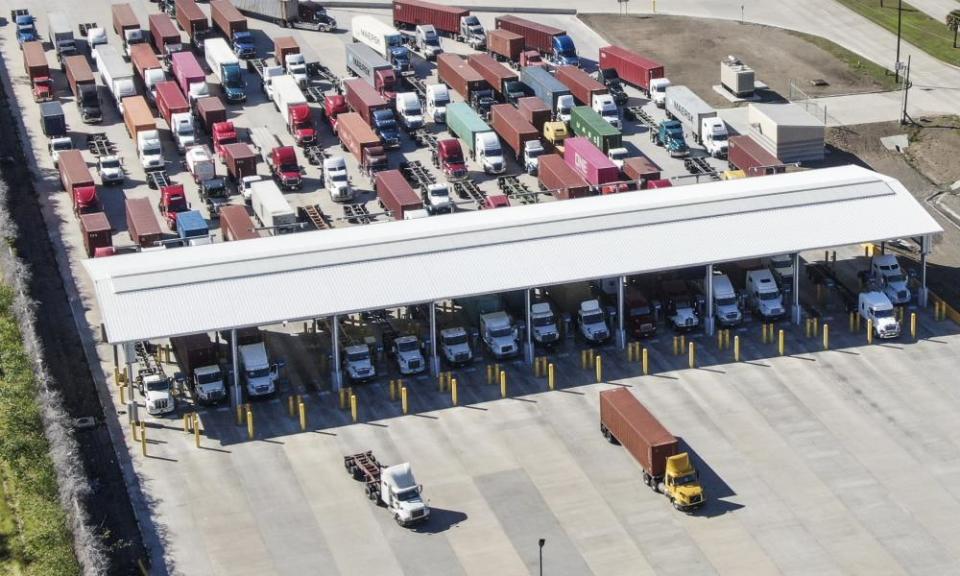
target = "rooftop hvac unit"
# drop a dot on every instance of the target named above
(736, 77)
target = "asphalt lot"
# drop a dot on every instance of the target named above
(812, 460)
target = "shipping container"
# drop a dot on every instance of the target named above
(78, 182)
(240, 160)
(544, 85)
(554, 175)
(412, 13)
(512, 128)
(170, 101)
(52, 120)
(395, 193)
(534, 111)
(582, 86)
(142, 223)
(284, 46)
(191, 19)
(194, 351)
(640, 433)
(496, 74)
(585, 122)
(236, 224)
(35, 60)
(143, 59)
(164, 35)
(363, 99)
(124, 20)
(683, 104)
(190, 75)
(227, 18)
(209, 111)
(137, 116)
(536, 36)
(589, 162)
(464, 123)
(271, 208)
(96, 232)
(370, 66)
(748, 155)
(631, 67)
(454, 71)
(78, 72)
(356, 136)
(641, 169)
(506, 44)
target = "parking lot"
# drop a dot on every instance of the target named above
(811, 457)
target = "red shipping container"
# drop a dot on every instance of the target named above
(395, 193)
(536, 36)
(641, 169)
(454, 71)
(637, 430)
(535, 111)
(630, 66)
(555, 175)
(589, 162)
(170, 100)
(504, 43)
(412, 13)
(236, 224)
(96, 232)
(745, 153)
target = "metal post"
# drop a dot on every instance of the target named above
(899, 24)
(796, 288)
(434, 359)
(621, 332)
(528, 351)
(924, 250)
(236, 367)
(129, 356)
(708, 288)
(335, 344)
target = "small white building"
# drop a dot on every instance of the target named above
(787, 131)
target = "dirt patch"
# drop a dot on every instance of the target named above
(776, 55)
(935, 147)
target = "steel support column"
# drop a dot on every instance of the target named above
(528, 352)
(434, 358)
(335, 346)
(621, 332)
(709, 322)
(795, 312)
(236, 367)
(922, 296)
(129, 356)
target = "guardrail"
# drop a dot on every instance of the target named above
(505, 9)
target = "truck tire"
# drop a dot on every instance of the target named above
(396, 518)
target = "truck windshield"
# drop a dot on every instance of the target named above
(782, 264)
(358, 357)
(455, 340)
(593, 318)
(721, 137)
(409, 495)
(441, 101)
(883, 313)
(62, 145)
(258, 373)
(534, 152)
(544, 320)
(492, 149)
(407, 346)
(896, 278)
(728, 301)
(185, 129)
(151, 148)
(212, 378)
(158, 385)
(686, 479)
(441, 193)
(775, 295)
(394, 41)
(110, 163)
(501, 332)
(640, 311)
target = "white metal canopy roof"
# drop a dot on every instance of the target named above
(315, 274)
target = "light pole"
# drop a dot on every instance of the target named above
(899, 22)
(542, 542)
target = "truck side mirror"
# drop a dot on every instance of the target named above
(274, 369)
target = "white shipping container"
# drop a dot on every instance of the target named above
(271, 208)
(684, 105)
(115, 74)
(218, 53)
(377, 35)
(286, 94)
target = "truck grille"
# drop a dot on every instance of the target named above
(414, 364)
(550, 337)
(417, 514)
(695, 499)
(688, 322)
(731, 316)
(461, 356)
(507, 349)
(902, 295)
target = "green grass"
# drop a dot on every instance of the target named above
(35, 538)
(930, 35)
(858, 64)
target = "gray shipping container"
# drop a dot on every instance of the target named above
(544, 85)
(365, 63)
(279, 11)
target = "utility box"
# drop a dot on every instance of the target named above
(737, 77)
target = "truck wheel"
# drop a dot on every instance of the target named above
(605, 432)
(397, 519)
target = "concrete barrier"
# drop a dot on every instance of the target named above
(505, 9)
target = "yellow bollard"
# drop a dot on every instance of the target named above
(303, 415)
(806, 327)
(503, 384)
(123, 400)
(393, 390)
(489, 373)
(816, 327)
(593, 357)
(239, 414)
(196, 429)
(353, 408)
(250, 430)
(869, 331)
(453, 391)
(187, 420)
(676, 345)
(781, 342)
(551, 377)
(290, 405)
(719, 339)
(913, 325)
(826, 336)
(134, 426)
(645, 361)
(143, 438)
(343, 398)
(583, 359)
(599, 367)
(403, 399)
(683, 343)
(497, 371)
(856, 321)
(692, 355)
(819, 293)
(736, 348)
(851, 322)
(116, 376)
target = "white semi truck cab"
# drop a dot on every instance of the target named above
(401, 494)
(565, 106)
(886, 268)
(157, 394)
(409, 356)
(532, 151)
(764, 295)
(592, 323)
(336, 179)
(209, 384)
(715, 137)
(876, 307)
(617, 156)
(499, 334)
(455, 346)
(782, 267)
(544, 322)
(489, 153)
(181, 125)
(428, 41)
(604, 105)
(150, 149)
(438, 96)
(259, 375)
(359, 366)
(658, 91)
(726, 307)
(437, 199)
(409, 111)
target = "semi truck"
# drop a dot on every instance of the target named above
(294, 109)
(356, 136)
(37, 69)
(142, 129)
(550, 90)
(127, 27)
(409, 111)
(25, 24)
(479, 138)
(449, 158)
(233, 25)
(336, 179)
(578, 302)
(587, 123)
(640, 169)
(745, 153)
(226, 68)
(289, 13)
(78, 182)
(115, 74)
(190, 76)
(208, 112)
(698, 118)
(553, 43)
(505, 82)
(454, 71)
(427, 41)
(563, 182)
(876, 307)
(280, 159)
(259, 375)
(364, 63)
(142, 223)
(240, 160)
(61, 35)
(203, 168)
(197, 358)
(288, 55)
(84, 88)
(625, 421)
(681, 305)
(192, 20)
(173, 202)
(438, 97)
(450, 21)
(164, 36)
(385, 40)
(589, 92)
(631, 67)
(236, 224)
(518, 134)
(52, 120)
(147, 68)
(893, 282)
(175, 110)
(393, 486)
(763, 294)
(363, 99)
(505, 45)
(396, 195)
(271, 208)
(669, 134)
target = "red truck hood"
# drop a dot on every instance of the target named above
(104, 251)
(305, 134)
(85, 198)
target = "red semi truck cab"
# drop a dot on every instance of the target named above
(173, 200)
(286, 168)
(450, 159)
(334, 105)
(301, 124)
(223, 133)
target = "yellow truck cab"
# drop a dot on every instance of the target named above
(555, 133)
(681, 483)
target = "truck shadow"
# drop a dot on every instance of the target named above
(714, 486)
(440, 520)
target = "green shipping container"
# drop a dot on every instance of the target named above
(465, 124)
(585, 122)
